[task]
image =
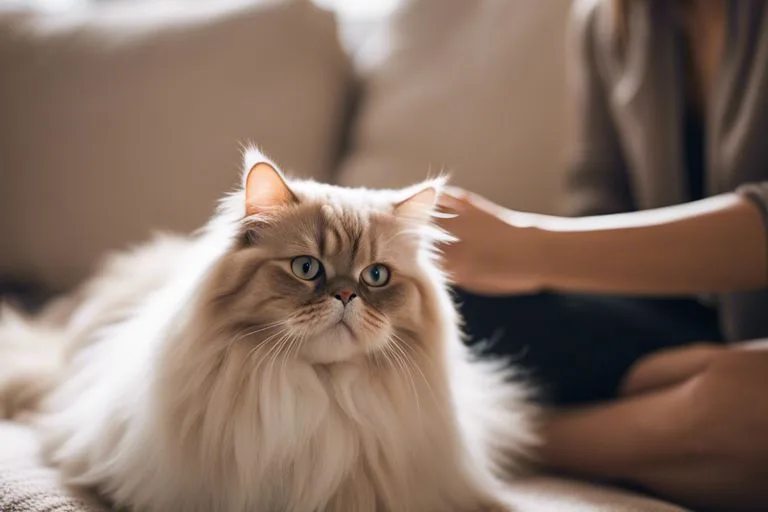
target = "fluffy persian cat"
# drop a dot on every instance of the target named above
(300, 353)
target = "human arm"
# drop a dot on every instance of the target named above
(715, 245)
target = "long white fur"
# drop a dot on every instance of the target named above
(337, 438)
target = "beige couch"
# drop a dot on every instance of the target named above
(117, 121)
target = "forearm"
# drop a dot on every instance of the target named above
(714, 245)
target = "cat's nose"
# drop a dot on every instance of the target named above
(345, 295)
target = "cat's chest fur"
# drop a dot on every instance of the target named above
(347, 435)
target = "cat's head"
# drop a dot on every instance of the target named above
(325, 273)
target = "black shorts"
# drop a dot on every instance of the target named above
(577, 348)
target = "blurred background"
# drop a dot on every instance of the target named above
(123, 117)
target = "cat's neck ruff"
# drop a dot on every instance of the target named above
(344, 434)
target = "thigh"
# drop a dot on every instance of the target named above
(576, 348)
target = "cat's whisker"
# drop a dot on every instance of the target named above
(280, 335)
(252, 329)
(284, 360)
(251, 353)
(265, 357)
(293, 349)
(240, 336)
(284, 352)
(385, 353)
(403, 369)
(264, 341)
(299, 344)
(403, 358)
(268, 356)
(265, 327)
(232, 343)
(376, 361)
(276, 355)
(400, 343)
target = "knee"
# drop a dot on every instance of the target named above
(669, 367)
(727, 405)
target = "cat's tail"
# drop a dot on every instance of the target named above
(31, 359)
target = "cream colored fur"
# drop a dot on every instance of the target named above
(160, 405)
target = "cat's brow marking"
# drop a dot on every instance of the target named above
(373, 248)
(355, 237)
(322, 241)
(331, 231)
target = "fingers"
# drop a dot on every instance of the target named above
(456, 192)
(453, 200)
(668, 368)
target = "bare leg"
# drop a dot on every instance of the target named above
(617, 440)
(693, 432)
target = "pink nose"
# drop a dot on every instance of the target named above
(345, 295)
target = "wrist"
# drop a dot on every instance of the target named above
(533, 267)
(547, 250)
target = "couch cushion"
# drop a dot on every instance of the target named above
(26, 485)
(118, 120)
(553, 494)
(475, 88)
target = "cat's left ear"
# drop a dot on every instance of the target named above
(420, 202)
(265, 186)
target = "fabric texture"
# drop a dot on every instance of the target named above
(120, 119)
(475, 89)
(26, 485)
(628, 151)
(583, 355)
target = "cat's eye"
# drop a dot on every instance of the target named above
(306, 267)
(375, 275)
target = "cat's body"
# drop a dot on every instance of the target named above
(219, 373)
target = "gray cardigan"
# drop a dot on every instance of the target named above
(628, 153)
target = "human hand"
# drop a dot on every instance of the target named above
(498, 251)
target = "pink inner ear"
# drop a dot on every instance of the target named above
(419, 206)
(265, 189)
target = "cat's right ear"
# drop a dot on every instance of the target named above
(265, 188)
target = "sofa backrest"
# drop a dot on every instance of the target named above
(118, 120)
(472, 87)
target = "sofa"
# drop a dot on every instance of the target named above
(122, 119)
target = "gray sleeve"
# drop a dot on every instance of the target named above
(597, 181)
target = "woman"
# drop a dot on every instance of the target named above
(658, 360)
